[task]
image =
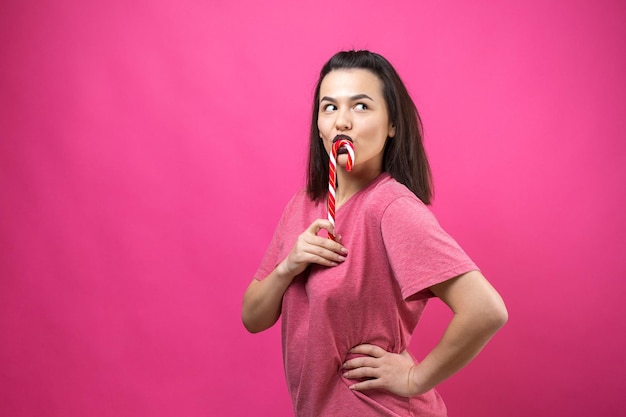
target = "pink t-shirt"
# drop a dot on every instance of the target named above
(397, 250)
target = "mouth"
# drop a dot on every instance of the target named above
(342, 137)
(343, 149)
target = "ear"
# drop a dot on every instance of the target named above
(392, 130)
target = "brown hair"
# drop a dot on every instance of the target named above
(404, 157)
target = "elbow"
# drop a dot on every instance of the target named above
(501, 317)
(488, 316)
(497, 316)
(253, 323)
(251, 327)
(248, 323)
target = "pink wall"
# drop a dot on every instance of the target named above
(147, 149)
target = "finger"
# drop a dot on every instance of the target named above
(366, 385)
(364, 372)
(319, 260)
(371, 350)
(320, 224)
(327, 244)
(324, 252)
(361, 362)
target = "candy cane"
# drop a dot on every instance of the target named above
(332, 176)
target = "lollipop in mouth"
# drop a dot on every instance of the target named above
(340, 142)
(343, 148)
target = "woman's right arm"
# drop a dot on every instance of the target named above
(262, 301)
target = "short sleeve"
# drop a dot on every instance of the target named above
(420, 252)
(270, 259)
(286, 232)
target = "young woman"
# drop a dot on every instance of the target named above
(349, 306)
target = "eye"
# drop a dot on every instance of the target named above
(329, 107)
(361, 106)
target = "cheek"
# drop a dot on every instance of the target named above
(377, 132)
(323, 136)
(322, 126)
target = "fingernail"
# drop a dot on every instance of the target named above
(345, 375)
(344, 250)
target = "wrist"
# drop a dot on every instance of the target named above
(416, 385)
(283, 273)
(410, 383)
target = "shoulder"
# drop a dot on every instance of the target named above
(299, 201)
(299, 209)
(398, 208)
(388, 193)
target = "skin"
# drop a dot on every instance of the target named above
(351, 103)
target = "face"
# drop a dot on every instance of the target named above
(352, 104)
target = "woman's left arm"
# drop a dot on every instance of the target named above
(479, 313)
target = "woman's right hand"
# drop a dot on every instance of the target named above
(262, 301)
(313, 249)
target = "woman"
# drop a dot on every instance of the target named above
(349, 306)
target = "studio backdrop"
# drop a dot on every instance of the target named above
(147, 149)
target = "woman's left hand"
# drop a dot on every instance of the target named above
(383, 370)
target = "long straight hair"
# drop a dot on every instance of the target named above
(404, 157)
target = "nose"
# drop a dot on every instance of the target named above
(343, 121)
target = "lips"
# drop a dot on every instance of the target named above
(342, 137)
(343, 149)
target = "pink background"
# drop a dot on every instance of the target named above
(147, 149)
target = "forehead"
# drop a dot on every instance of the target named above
(350, 82)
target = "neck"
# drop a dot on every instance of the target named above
(350, 183)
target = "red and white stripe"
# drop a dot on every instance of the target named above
(332, 176)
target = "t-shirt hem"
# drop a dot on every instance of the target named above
(438, 279)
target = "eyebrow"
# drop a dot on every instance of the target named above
(353, 98)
